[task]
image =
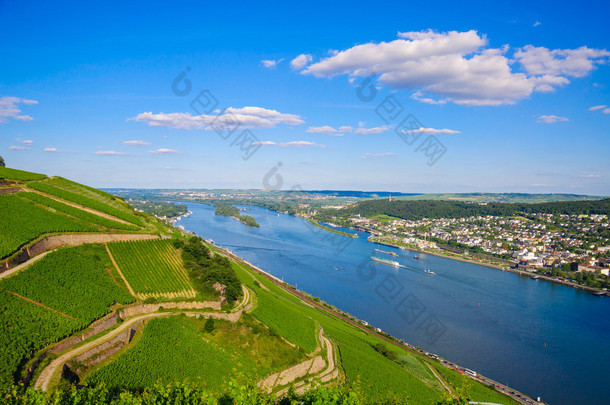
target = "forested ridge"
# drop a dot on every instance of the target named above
(414, 210)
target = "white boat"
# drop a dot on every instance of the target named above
(428, 271)
(385, 261)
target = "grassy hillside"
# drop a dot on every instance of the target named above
(19, 175)
(500, 197)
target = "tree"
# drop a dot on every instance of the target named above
(209, 325)
(2, 164)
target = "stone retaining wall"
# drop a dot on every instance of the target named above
(57, 241)
(149, 308)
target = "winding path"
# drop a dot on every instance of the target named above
(44, 379)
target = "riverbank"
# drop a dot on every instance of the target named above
(326, 228)
(536, 276)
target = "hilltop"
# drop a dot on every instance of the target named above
(96, 294)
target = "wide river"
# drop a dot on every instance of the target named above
(541, 338)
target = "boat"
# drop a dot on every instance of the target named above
(385, 261)
(428, 271)
(416, 257)
(599, 293)
(534, 277)
(387, 253)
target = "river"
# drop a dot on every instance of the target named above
(541, 338)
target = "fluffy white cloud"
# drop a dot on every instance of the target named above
(376, 155)
(9, 109)
(326, 129)
(597, 107)
(432, 131)
(13, 147)
(246, 117)
(270, 63)
(164, 151)
(300, 144)
(136, 143)
(551, 119)
(458, 67)
(300, 61)
(110, 153)
(606, 111)
(28, 142)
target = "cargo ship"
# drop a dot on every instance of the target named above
(387, 253)
(385, 261)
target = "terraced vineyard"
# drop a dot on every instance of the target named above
(19, 175)
(152, 268)
(27, 221)
(58, 295)
(74, 281)
(87, 197)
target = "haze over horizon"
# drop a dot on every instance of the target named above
(503, 97)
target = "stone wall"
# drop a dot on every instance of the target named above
(57, 241)
(140, 309)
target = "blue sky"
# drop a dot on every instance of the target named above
(487, 96)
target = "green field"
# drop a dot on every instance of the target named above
(76, 212)
(87, 197)
(27, 221)
(151, 266)
(75, 281)
(19, 175)
(177, 346)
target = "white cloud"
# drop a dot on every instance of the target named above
(537, 23)
(9, 109)
(300, 144)
(300, 61)
(28, 142)
(13, 147)
(589, 176)
(606, 111)
(271, 63)
(376, 155)
(459, 67)
(246, 117)
(110, 153)
(136, 143)
(326, 129)
(432, 131)
(52, 150)
(551, 119)
(164, 151)
(597, 107)
(264, 143)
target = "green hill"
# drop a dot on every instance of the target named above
(152, 312)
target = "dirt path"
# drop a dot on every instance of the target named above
(23, 265)
(80, 207)
(439, 378)
(314, 367)
(116, 266)
(40, 304)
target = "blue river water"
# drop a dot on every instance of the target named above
(541, 338)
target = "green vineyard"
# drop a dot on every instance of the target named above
(76, 212)
(152, 267)
(87, 197)
(19, 175)
(60, 294)
(27, 221)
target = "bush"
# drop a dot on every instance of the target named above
(209, 325)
